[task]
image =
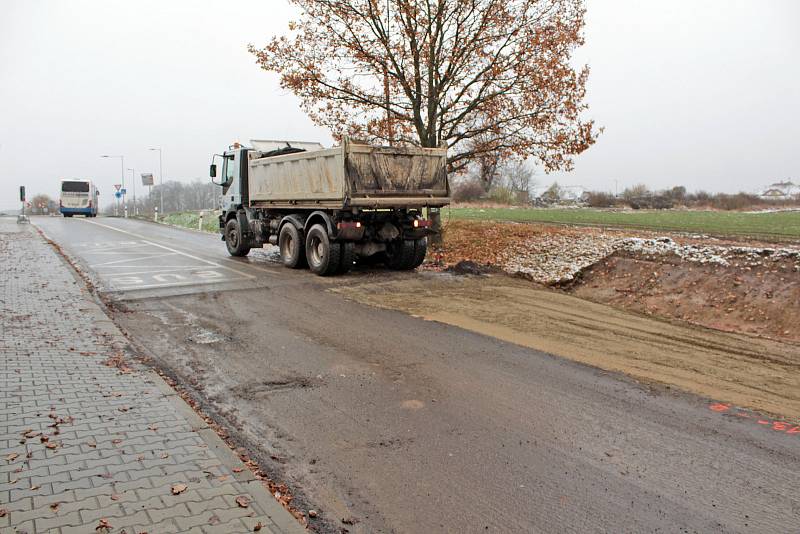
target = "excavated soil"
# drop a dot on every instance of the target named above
(751, 297)
(747, 371)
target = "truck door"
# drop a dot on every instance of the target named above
(234, 179)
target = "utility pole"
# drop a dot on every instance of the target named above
(160, 180)
(122, 171)
(386, 93)
(133, 180)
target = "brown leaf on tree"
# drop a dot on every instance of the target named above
(177, 489)
(503, 84)
(243, 501)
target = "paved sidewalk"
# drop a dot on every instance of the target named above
(89, 445)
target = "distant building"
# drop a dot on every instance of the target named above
(781, 191)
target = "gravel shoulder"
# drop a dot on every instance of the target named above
(750, 372)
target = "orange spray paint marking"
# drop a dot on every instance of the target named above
(719, 407)
(762, 422)
(795, 430)
(780, 426)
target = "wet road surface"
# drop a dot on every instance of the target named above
(404, 425)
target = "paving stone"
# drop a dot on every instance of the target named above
(53, 342)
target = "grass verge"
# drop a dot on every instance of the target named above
(780, 224)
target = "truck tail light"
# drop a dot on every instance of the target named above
(421, 223)
(348, 224)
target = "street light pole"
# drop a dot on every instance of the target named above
(133, 181)
(160, 181)
(122, 172)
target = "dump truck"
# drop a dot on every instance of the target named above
(329, 208)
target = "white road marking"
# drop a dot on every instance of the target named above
(144, 240)
(130, 260)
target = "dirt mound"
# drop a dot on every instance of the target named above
(744, 290)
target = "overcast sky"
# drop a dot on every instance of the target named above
(701, 93)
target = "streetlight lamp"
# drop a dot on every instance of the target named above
(160, 180)
(133, 181)
(121, 171)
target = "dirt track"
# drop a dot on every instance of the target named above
(749, 372)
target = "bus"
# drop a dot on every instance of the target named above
(78, 196)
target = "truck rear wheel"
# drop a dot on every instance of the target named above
(400, 254)
(293, 250)
(233, 239)
(348, 256)
(420, 250)
(324, 257)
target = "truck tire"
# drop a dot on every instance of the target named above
(400, 254)
(293, 249)
(233, 239)
(420, 250)
(348, 257)
(67, 215)
(324, 257)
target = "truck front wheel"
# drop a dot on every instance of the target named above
(234, 240)
(293, 252)
(324, 257)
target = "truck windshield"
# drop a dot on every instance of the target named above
(75, 187)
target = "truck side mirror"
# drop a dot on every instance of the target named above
(212, 171)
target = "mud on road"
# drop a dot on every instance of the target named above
(751, 372)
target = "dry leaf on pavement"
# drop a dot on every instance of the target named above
(54, 506)
(3, 512)
(11, 457)
(242, 501)
(258, 527)
(177, 489)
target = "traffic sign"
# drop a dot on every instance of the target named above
(147, 179)
(117, 186)
(118, 194)
(123, 191)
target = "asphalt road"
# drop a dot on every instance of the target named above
(404, 425)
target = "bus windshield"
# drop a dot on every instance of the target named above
(75, 187)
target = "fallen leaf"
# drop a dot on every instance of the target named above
(177, 489)
(51, 445)
(116, 441)
(258, 527)
(11, 457)
(243, 501)
(114, 497)
(3, 512)
(92, 445)
(54, 506)
(34, 487)
(213, 520)
(237, 469)
(164, 455)
(153, 427)
(103, 526)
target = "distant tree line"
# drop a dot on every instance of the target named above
(513, 183)
(178, 196)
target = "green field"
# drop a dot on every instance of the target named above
(781, 225)
(189, 219)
